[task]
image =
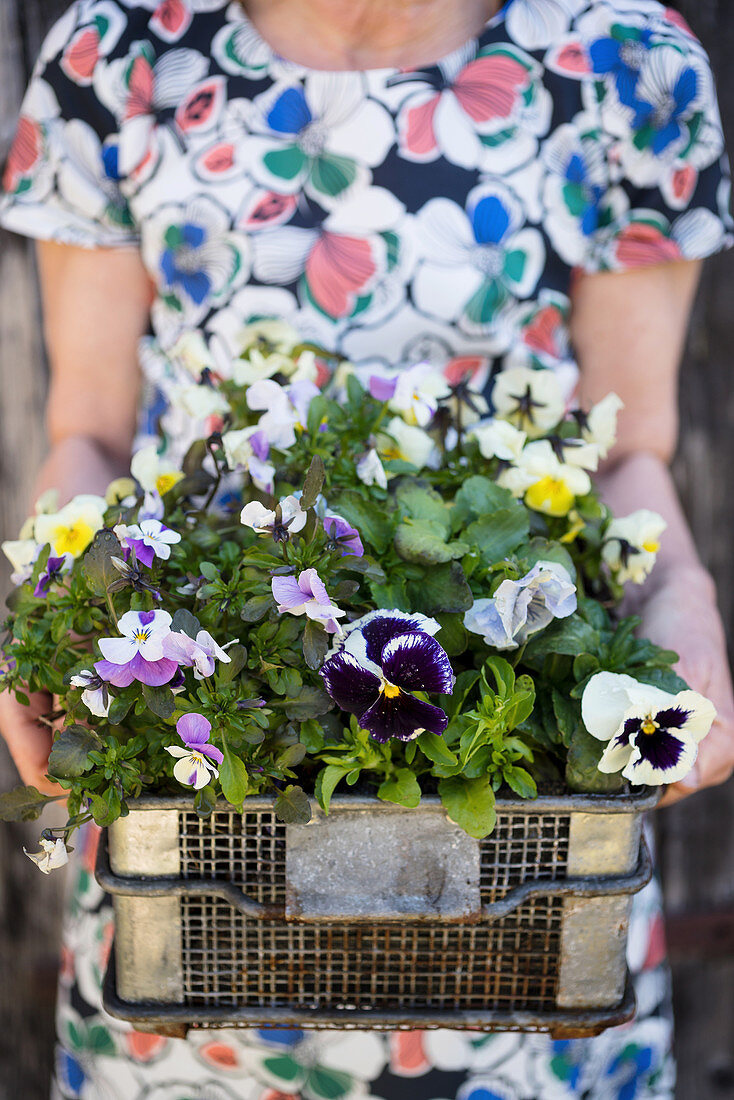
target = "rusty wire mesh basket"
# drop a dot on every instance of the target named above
(375, 916)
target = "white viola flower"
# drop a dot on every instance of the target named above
(96, 693)
(71, 530)
(599, 426)
(200, 402)
(257, 365)
(266, 522)
(154, 473)
(498, 439)
(53, 854)
(192, 352)
(418, 391)
(22, 554)
(197, 760)
(652, 735)
(305, 368)
(248, 448)
(578, 452)
(521, 608)
(530, 399)
(547, 484)
(149, 539)
(631, 545)
(285, 409)
(142, 633)
(408, 443)
(370, 470)
(268, 335)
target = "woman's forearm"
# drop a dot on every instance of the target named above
(79, 464)
(642, 480)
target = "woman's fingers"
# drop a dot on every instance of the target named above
(28, 739)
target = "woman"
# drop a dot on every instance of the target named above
(552, 182)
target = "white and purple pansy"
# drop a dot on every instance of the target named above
(95, 692)
(652, 735)
(52, 573)
(194, 767)
(384, 658)
(150, 539)
(138, 654)
(287, 519)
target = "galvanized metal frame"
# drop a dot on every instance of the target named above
(607, 862)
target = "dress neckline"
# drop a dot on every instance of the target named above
(446, 62)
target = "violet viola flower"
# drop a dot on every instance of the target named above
(345, 537)
(385, 657)
(138, 654)
(307, 595)
(194, 767)
(200, 653)
(150, 540)
(55, 568)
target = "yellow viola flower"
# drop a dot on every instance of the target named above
(409, 443)
(154, 473)
(631, 545)
(547, 484)
(71, 530)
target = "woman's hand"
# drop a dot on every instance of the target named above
(28, 739)
(681, 614)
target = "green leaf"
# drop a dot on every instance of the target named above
(97, 568)
(292, 756)
(194, 458)
(542, 550)
(582, 771)
(402, 788)
(423, 505)
(256, 608)
(442, 589)
(312, 735)
(326, 782)
(521, 782)
(160, 700)
(567, 715)
(371, 520)
(571, 636)
(209, 571)
(452, 635)
(469, 803)
(292, 806)
(315, 644)
(498, 535)
(185, 623)
(25, 804)
(311, 702)
(314, 482)
(205, 801)
(70, 753)
(663, 678)
(435, 748)
(477, 498)
(233, 777)
(120, 705)
(417, 542)
(229, 671)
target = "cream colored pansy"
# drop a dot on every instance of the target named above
(191, 351)
(53, 854)
(407, 443)
(530, 399)
(600, 423)
(47, 503)
(631, 545)
(498, 439)
(248, 448)
(21, 553)
(200, 402)
(652, 736)
(121, 491)
(154, 472)
(547, 484)
(71, 530)
(370, 470)
(418, 391)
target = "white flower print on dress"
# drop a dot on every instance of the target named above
(537, 24)
(476, 262)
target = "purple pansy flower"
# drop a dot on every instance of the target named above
(200, 653)
(55, 568)
(386, 656)
(342, 533)
(138, 654)
(307, 595)
(149, 539)
(194, 767)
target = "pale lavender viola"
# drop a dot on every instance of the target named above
(307, 595)
(52, 574)
(521, 608)
(200, 653)
(346, 538)
(384, 658)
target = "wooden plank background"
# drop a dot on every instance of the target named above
(695, 839)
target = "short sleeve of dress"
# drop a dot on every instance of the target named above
(666, 189)
(61, 180)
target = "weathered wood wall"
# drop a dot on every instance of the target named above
(696, 838)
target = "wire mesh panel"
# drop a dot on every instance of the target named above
(230, 959)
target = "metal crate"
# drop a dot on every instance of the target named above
(375, 916)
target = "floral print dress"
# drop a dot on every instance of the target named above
(395, 216)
